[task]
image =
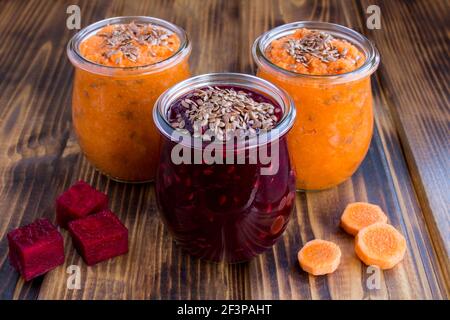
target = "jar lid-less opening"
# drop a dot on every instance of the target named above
(78, 60)
(372, 57)
(239, 80)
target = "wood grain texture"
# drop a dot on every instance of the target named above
(405, 172)
(415, 79)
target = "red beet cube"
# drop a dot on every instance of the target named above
(99, 237)
(36, 248)
(78, 202)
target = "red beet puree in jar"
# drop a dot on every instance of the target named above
(224, 185)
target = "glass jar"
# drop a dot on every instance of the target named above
(334, 124)
(112, 106)
(226, 210)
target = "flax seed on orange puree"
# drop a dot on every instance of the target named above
(130, 45)
(334, 123)
(112, 112)
(315, 53)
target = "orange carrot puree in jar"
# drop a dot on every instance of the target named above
(326, 69)
(122, 65)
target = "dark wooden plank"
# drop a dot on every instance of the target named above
(383, 179)
(415, 79)
(42, 158)
(30, 149)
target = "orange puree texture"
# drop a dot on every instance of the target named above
(334, 123)
(286, 52)
(130, 45)
(112, 113)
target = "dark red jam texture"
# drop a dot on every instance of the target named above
(225, 212)
(177, 109)
(36, 248)
(99, 237)
(79, 201)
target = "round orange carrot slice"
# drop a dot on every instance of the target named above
(380, 244)
(359, 215)
(319, 257)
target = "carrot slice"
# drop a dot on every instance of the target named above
(359, 215)
(380, 244)
(319, 257)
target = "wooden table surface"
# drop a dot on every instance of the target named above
(406, 170)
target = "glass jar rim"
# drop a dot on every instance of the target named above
(79, 60)
(239, 80)
(361, 42)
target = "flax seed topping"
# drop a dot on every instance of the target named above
(132, 44)
(221, 112)
(314, 52)
(315, 44)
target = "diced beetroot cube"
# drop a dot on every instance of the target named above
(78, 202)
(36, 248)
(99, 237)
